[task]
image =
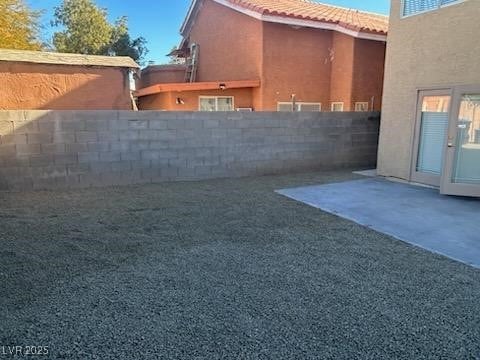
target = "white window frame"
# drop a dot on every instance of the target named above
(362, 103)
(216, 101)
(284, 103)
(299, 105)
(310, 103)
(439, 6)
(337, 103)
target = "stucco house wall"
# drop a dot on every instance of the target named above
(29, 86)
(167, 101)
(341, 77)
(430, 50)
(230, 44)
(368, 73)
(317, 65)
(295, 61)
(157, 74)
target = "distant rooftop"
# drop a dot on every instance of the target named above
(165, 67)
(43, 57)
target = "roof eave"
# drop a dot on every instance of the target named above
(268, 17)
(197, 86)
(187, 18)
(67, 59)
(133, 67)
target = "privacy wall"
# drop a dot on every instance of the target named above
(72, 149)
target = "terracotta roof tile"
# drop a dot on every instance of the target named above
(311, 10)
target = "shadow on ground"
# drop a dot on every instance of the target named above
(222, 269)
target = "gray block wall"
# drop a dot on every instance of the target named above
(71, 149)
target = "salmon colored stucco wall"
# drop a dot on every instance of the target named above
(295, 61)
(161, 75)
(63, 87)
(316, 65)
(230, 44)
(167, 101)
(357, 71)
(341, 77)
(368, 72)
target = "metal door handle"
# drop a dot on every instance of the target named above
(450, 145)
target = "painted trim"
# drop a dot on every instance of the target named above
(160, 88)
(418, 176)
(189, 14)
(337, 103)
(288, 21)
(322, 26)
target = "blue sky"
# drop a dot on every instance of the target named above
(159, 20)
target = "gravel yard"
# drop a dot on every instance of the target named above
(222, 269)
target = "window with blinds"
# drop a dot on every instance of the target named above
(337, 106)
(361, 106)
(299, 106)
(312, 107)
(412, 7)
(433, 131)
(285, 106)
(216, 103)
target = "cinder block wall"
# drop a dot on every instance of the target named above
(71, 149)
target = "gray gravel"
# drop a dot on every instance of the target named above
(222, 269)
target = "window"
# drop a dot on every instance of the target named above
(285, 106)
(362, 106)
(216, 103)
(299, 106)
(465, 163)
(312, 107)
(337, 106)
(412, 7)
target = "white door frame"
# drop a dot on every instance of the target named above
(417, 176)
(448, 187)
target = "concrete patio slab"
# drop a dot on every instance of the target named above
(369, 173)
(420, 216)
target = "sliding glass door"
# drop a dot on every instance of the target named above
(461, 173)
(433, 111)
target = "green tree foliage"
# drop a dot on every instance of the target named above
(19, 26)
(86, 30)
(123, 45)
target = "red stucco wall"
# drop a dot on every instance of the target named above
(63, 87)
(230, 44)
(368, 72)
(167, 74)
(167, 101)
(316, 65)
(295, 61)
(342, 55)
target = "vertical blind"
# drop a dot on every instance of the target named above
(411, 7)
(433, 131)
